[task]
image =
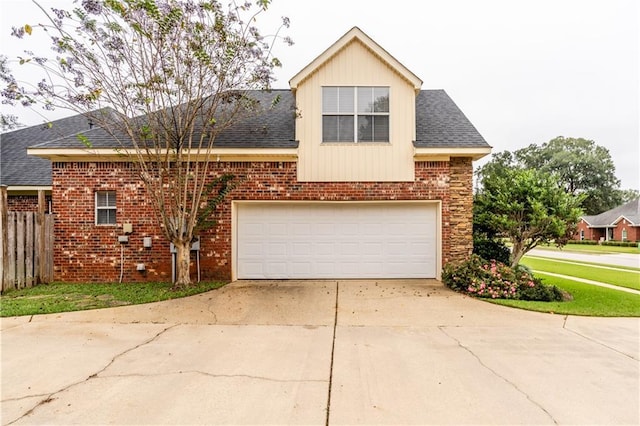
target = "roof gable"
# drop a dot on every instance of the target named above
(356, 34)
(629, 211)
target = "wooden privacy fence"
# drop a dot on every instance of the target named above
(27, 248)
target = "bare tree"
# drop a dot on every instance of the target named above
(176, 73)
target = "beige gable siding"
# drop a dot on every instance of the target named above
(355, 65)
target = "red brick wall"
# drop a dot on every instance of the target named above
(633, 232)
(86, 252)
(25, 203)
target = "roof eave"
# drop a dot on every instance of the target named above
(128, 155)
(27, 189)
(444, 154)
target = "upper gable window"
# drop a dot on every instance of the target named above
(355, 114)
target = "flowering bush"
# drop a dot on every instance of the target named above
(490, 279)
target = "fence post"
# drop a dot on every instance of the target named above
(20, 249)
(41, 249)
(4, 207)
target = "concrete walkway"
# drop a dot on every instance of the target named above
(320, 352)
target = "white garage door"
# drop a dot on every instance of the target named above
(336, 240)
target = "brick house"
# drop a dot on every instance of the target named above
(372, 179)
(618, 224)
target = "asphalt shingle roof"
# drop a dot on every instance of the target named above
(18, 168)
(439, 124)
(273, 126)
(631, 211)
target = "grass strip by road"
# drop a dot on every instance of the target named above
(588, 300)
(614, 276)
(65, 297)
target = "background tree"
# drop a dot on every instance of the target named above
(7, 121)
(627, 195)
(582, 167)
(527, 206)
(175, 73)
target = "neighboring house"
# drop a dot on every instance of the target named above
(25, 174)
(619, 224)
(355, 173)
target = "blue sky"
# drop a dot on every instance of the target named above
(523, 71)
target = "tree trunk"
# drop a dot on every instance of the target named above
(183, 260)
(516, 253)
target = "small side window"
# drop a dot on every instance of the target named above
(106, 208)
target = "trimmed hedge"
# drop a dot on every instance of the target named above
(619, 243)
(583, 242)
(604, 243)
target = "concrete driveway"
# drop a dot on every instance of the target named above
(320, 352)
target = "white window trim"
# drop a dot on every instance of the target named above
(96, 208)
(355, 114)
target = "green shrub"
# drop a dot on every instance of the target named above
(478, 278)
(583, 242)
(491, 249)
(619, 243)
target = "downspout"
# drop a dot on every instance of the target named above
(121, 262)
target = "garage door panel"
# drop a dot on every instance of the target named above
(330, 240)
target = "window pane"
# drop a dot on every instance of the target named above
(329, 100)
(345, 100)
(365, 128)
(381, 128)
(106, 199)
(337, 100)
(101, 199)
(330, 128)
(345, 128)
(106, 217)
(381, 99)
(365, 99)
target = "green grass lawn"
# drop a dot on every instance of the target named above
(63, 297)
(587, 300)
(628, 278)
(586, 248)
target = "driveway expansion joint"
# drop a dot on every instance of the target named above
(495, 373)
(333, 349)
(597, 342)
